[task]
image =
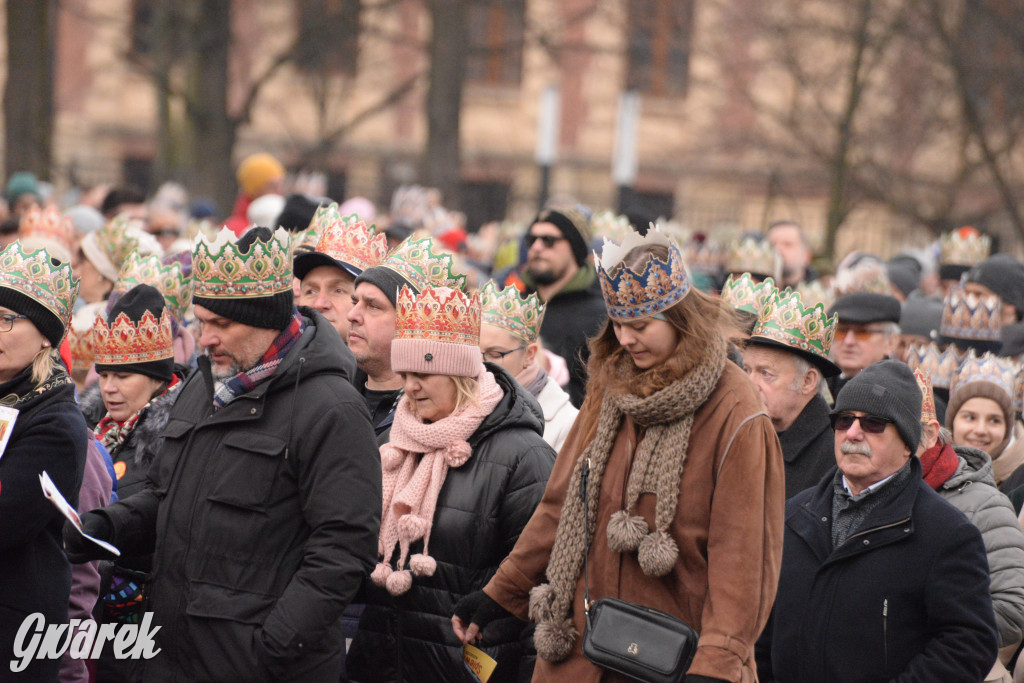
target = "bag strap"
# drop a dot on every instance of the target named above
(584, 480)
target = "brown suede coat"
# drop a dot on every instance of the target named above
(728, 526)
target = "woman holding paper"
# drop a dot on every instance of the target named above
(43, 430)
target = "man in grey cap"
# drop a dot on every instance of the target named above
(868, 331)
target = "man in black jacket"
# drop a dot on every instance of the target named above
(881, 580)
(262, 513)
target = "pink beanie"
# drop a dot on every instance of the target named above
(437, 333)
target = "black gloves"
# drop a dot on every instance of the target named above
(80, 549)
(477, 608)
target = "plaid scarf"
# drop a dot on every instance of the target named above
(112, 433)
(246, 381)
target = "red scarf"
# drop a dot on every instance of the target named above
(939, 463)
(112, 433)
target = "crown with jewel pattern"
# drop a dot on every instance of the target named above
(971, 317)
(785, 320)
(325, 216)
(816, 292)
(221, 271)
(606, 224)
(168, 278)
(988, 367)
(47, 229)
(33, 274)
(417, 263)
(924, 383)
(743, 294)
(109, 246)
(752, 255)
(437, 332)
(82, 344)
(964, 248)
(941, 366)
(351, 241)
(511, 311)
(630, 294)
(125, 343)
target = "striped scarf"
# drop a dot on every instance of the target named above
(112, 433)
(246, 381)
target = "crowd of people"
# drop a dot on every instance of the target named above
(331, 444)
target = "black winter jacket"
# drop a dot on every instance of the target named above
(808, 447)
(904, 599)
(481, 509)
(265, 514)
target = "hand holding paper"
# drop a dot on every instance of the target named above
(53, 494)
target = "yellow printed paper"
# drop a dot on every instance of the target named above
(478, 663)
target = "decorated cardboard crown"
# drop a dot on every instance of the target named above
(751, 255)
(82, 344)
(325, 216)
(610, 226)
(33, 274)
(511, 311)
(417, 263)
(785, 320)
(630, 294)
(816, 292)
(964, 248)
(168, 278)
(971, 317)
(866, 276)
(221, 271)
(438, 314)
(988, 367)
(743, 294)
(109, 246)
(351, 241)
(125, 343)
(941, 366)
(47, 229)
(924, 383)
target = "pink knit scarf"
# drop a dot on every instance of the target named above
(412, 483)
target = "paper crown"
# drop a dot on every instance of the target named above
(940, 366)
(606, 224)
(511, 311)
(988, 367)
(751, 255)
(351, 241)
(630, 294)
(168, 278)
(221, 271)
(110, 245)
(964, 248)
(866, 276)
(82, 344)
(743, 294)
(816, 292)
(924, 383)
(47, 229)
(33, 274)
(704, 256)
(125, 343)
(417, 263)
(785, 320)
(440, 314)
(971, 317)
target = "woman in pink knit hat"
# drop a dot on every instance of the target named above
(465, 468)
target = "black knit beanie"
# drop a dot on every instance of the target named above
(48, 324)
(886, 389)
(267, 312)
(387, 281)
(297, 213)
(575, 227)
(134, 303)
(1004, 275)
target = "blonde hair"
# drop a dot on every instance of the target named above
(465, 390)
(45, 361)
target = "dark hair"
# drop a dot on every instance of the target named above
(129, 194)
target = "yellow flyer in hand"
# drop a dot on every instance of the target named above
(478, 663)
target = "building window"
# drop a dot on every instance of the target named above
(328, 36)
(496, 33)
(658, 52)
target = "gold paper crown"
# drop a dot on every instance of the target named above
(352, 242)
(125, 343)
(168, 278)
(924, 383)
(988, 368)
(785, 320)
(417, 263)
(440, 314)
(940, 366)
(221, 271)
(511, 311)
(964, 247)
(82, 344)
(743, 294)
(752, 255)
(630, 294)
(971, 317)
(816, 292)
(46, 228)
(33, 274)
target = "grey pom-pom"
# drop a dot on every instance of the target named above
(554, 639)
(625, 532)
(658, 553)
(542, 602)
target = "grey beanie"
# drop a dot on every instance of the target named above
(921, 315)
(886, 389)
(1004, 275)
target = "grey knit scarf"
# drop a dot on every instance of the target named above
(667, 417)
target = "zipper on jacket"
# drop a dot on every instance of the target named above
(877, 528)
(885, 632)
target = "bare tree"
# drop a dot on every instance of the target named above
(28, 94)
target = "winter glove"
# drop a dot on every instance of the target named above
(476, 610)
(80, 549)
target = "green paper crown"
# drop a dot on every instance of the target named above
(416, 262)
(785, 320)
(221, 271)
(752, 255)
(33, 274)
(743, 294)
(509, 310)
(141, 269)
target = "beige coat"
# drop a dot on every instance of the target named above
(559, 413)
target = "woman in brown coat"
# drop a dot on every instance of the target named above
(686, 485)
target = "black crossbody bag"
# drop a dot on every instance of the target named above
(633, 640)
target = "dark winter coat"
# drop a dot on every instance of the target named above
(808, 447)
(35, 576)
(906, 598)
(481, 509)
(265, 514)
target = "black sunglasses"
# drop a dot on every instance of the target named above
(869, 423)
(548, 240)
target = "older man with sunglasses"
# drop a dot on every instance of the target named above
(881, 578)
(868, 331)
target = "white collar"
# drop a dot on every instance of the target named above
(874, 487)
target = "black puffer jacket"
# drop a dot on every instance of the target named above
(481, 509)
(265, 515)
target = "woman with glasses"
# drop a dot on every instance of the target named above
(463, 471)
(41, 430)
(684, 485)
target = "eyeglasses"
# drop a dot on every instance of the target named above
(860, 332)
(548, 240)
(497, 356)
(869, 423)
(7, 321)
